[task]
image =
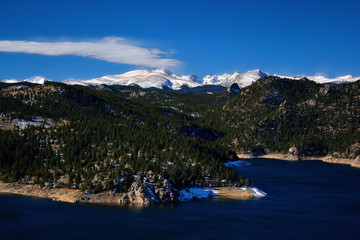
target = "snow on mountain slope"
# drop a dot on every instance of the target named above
(324, 80)
(342, 79)
(242, 79)
(158, 78)
(9, 80)
(162, 78)
(35, 79)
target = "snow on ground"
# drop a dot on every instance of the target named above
(256, 192)
(21, 87)
(195, 193)
(188, 194)
(238, 163)
(22, 124)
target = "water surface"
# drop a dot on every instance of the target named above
(306, 200)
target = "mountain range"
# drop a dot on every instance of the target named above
(165, 79)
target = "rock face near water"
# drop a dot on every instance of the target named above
(356, 162)
(293, 154)
(153, 189)
(353, 162)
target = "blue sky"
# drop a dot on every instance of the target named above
(88, 39)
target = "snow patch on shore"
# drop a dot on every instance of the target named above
(188, 194)
(196, 193)
(238, 163)
(256, 192)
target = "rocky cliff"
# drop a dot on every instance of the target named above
(153, 189)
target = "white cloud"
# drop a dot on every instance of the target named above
(111, 49)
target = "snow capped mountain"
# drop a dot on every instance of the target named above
(35, 79)
(9, 80)
(324, 80)
(159, 78)
(211, 80)
(162, 78)
(242, 79)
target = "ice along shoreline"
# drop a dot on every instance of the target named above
(137, 194)
(109, 197)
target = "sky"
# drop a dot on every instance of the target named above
(87, 39)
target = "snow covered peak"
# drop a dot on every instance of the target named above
(235, 75)
(159, 78)
(256, 73)
(9, 80)
(324, 80)
(36, 79)
(211, 80)
(196, 79)
(162, 78)
(337, 80)
(242, 79)
(347, 77)
(163, 71)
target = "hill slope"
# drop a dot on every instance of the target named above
(97, 140)
(274, 114)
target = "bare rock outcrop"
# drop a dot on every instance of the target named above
(293, 154)
(152, 189)
(324, 90)
(356, 162)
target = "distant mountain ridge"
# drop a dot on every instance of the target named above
(159, 78)
(164, 79)
(35, 79)
(242, 79)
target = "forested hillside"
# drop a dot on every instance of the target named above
(74, 136)
(103, 137)
(274, 114)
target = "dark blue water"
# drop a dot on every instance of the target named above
(306, 200)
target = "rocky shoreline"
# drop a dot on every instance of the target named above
(56, 194)
(133, 196)
(239, 193)
(295, 157)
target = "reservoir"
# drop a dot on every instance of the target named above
(306, 200)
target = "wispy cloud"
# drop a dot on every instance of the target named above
(111, 49)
